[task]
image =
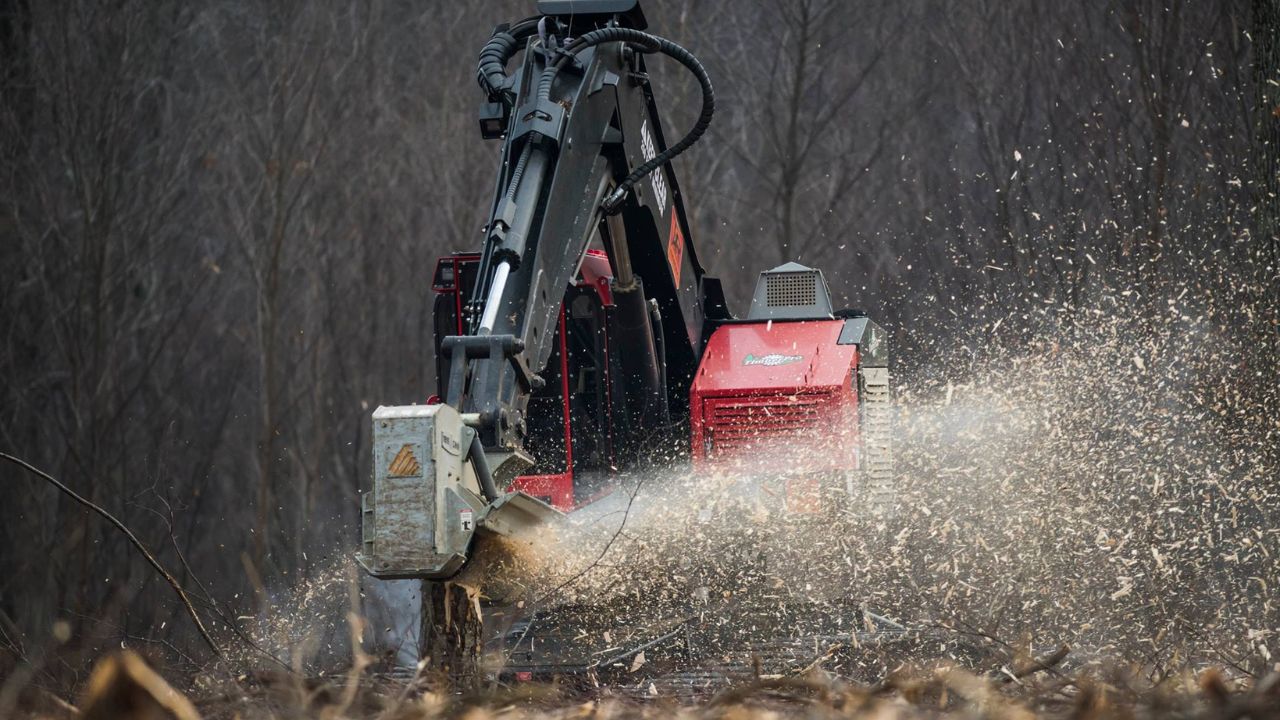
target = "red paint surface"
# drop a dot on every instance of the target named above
(596, 273)
(555, 489)
(824, 364)
(796, 416)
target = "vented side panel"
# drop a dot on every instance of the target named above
(788, 289)
(877, 442)
(791, 292)
(734, 423)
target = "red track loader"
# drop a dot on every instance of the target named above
(582, 340)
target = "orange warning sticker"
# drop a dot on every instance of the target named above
(404, 464)
(675, 247)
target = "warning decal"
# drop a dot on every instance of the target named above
(404, 464)
(675, 248)
(465, 516)
(658, 178)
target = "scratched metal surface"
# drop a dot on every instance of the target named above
(404, 515)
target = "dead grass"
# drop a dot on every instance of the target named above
(122, 686)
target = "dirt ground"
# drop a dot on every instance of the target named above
(124, 686)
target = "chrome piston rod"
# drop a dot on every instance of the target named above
(490, 316)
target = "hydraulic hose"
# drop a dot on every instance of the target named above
(645, 43)
(491, 72)
(481, 464)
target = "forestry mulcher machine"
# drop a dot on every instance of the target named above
(584, 340)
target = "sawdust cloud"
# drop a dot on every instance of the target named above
(1109, 484)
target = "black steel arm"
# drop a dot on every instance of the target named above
(582, 134)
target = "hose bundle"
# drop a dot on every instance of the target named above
(645, 43)
(492, 76)
(492, 69)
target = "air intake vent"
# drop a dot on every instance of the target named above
(738, 423)
(792, 288)
(791, 292)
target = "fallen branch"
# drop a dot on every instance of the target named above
(818, 660)
(1037, 665)
(791, 688)
(626, 514)
(133, 539)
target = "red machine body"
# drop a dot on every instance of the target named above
(762, 385)
(766, 391)
(584, 341)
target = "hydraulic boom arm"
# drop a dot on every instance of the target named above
(583, 153)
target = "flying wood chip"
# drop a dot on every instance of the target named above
(404, 464)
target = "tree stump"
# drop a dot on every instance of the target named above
(451, 632)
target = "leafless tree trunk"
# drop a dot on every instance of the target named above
(452, 640)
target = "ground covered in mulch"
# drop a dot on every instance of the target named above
(124, 686)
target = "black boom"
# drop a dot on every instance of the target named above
(583, 154)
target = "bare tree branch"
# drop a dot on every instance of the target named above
(133, 540)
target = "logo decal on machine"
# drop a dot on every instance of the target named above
(675, 248)
(658, 177)
(771, 360)
(404, 464)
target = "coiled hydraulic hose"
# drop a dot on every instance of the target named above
(491, 72)
(645, 43)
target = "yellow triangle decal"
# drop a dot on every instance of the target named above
(404, 464)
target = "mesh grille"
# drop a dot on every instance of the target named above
(790, 288)
(733, 423)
